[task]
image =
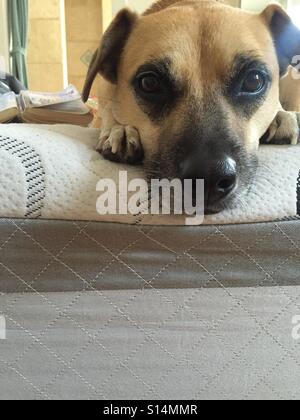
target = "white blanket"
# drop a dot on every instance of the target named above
(51, 172)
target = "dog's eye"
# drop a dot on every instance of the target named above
(149, 83)
(254, 82)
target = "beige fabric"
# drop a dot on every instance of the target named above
(151, 344)
(122, 312)
(49, 256)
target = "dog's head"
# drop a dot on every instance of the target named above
(200, 82)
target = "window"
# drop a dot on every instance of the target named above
(139, 5)
(294, 11)
(259, 5)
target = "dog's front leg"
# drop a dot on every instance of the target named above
(285, 129)
(119, 143)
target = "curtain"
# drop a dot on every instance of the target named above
(18, 31)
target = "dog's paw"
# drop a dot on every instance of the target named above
(121, 144)
(284, 129)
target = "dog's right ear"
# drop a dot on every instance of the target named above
(106, 59)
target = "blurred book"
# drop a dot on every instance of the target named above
(65, 107)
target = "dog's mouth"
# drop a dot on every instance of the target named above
(218, 206)
(225, 168)
(213, 209)
(178, 193)
(158, 169)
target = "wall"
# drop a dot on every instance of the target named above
(234, 3)
(46, 61)
(259, 5)
(141, 5)
(85, 22)
(63, 35)
(254, 5)
(4, 54)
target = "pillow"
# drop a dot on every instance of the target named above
(51, 172)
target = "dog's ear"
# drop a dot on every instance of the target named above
(106, 59)
(285, 34)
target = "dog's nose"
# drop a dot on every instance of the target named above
(223, 180)
(219, 175)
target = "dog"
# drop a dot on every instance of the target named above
(192, 87)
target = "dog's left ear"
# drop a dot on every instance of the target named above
(106, 59)
(286, 35)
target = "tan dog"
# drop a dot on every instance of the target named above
(192, 86)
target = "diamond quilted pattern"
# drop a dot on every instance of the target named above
(115, 243)
(10, 280)
(179, 269)
(149, 312)
(8, 230)
(125, 382)
(81, 389)
(34, 365)
(17, 386)
(30, 257)
(18, 341)
(175, 241)
(183, 374)
(46, 237)
(97, 261)
(284, 380)
(138, 261)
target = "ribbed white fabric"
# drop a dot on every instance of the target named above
(51, 172)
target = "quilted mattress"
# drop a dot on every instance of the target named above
(107, 311)
(94, 310)
(52, 172)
